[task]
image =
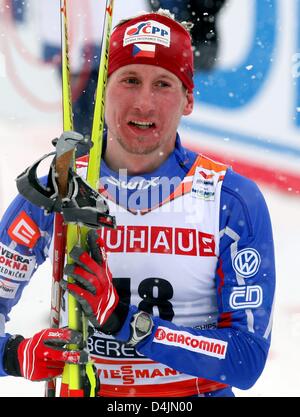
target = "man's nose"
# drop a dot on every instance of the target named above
(145, 100)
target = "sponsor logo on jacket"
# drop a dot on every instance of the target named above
(198, 344)
(8, 289)
(137, 184)
(250, 296)
(158, 239)
(246, 262)
(15, 266)
(129, 374)
(24, 231)
(204, 184)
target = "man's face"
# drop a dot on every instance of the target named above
(144, 104)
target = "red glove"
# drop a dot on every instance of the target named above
(93, 288)
(44, 355)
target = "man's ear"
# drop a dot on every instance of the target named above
(189, 105)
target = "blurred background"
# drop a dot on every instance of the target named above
(247, 114)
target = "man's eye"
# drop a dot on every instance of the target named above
(131, 81)
(162, 84)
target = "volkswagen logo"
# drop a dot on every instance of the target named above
(246, 262)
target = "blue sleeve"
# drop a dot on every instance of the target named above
(3, 340)
(235, 352)
(25, 237)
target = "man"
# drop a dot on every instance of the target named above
(189, 310)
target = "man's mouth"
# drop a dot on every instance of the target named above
(141, 125)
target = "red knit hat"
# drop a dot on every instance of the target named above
(153, 39)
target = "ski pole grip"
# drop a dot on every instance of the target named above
(65, 146)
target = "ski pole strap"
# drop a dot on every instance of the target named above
(85, 205)
(82, 204)
(34, 191)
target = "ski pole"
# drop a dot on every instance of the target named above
(60, 229)
(74, 382)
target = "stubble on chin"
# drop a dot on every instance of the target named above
(139, 145)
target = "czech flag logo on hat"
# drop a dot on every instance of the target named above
(143, 50)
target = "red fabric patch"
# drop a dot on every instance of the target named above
(24, 231)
